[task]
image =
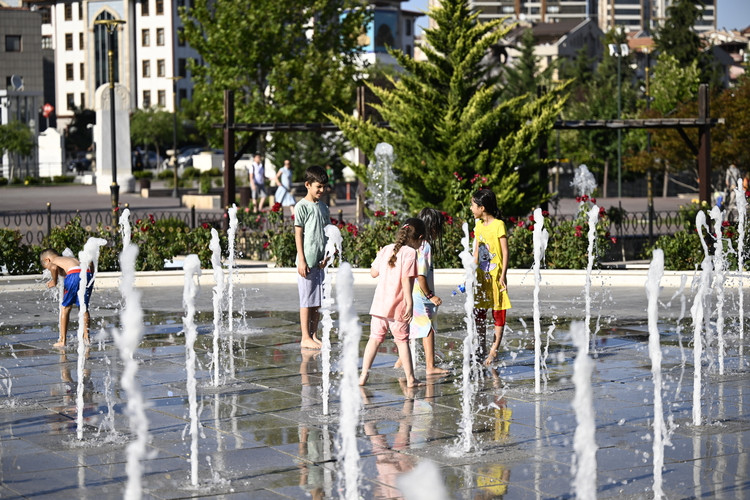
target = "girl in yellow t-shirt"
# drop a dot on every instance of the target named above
(491, 257)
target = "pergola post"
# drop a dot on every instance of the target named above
(229, 179)
(704, 144)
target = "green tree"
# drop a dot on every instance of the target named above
(290, 61)
(78, 135)
(526, 76)
(16, 139)
(447, 122)
(153, 127)
(673, 83)
(678, 38)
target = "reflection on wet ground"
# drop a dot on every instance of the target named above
(263, 433)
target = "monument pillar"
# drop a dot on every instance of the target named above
(103, 140)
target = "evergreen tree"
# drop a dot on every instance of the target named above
(678, 38)
(525, 77)
(447, 121)
(290, 61)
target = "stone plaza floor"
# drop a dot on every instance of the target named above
(263, 433)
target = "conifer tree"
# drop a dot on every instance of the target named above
(525, 76)
(448, 122)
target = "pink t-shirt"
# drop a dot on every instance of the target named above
(389, 295)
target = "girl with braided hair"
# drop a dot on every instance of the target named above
(392, 306)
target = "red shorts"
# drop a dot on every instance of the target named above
(498, 316)
(379, 326)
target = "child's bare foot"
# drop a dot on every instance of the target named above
(398, 363)
(86, 341)
(363, 378)
(434, 370)
(414, 383)
(59, 343)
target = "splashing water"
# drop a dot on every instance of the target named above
(348, 454)
(584, 442)
(423, 482)
(593, 218)
(541, 236)
(584, 182)
(192, 267)
(6, 380)
(697, 311)
(742, 210)
(655, 273)
(218, 294)
(131, 318)
(468, 388)
(87, 257)
(719, 265)
(333, 245)
(382, 182)
(125, 228)
(231, 236)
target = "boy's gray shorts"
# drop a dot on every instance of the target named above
(311, 288)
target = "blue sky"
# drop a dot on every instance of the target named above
(733, 14)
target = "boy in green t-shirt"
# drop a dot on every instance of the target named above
(311, 216)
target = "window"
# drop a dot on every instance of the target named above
(182, 67)
(180, 3)
(71, 101)
(161, 71)
(146, 37)
(69, 71)
(183, 95)
(12, 43)
(146, 68)
(80, 17)
(82, 71)
(159, 7)
(163, 98)
(80, 41)
(160, 36)
(181, 36)
(144, 7)
(83, 100)
(46, 41)
(46, 16)
(68, 12)
(68, 41)
(407, 25)
(146, 98)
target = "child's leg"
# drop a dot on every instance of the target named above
(429, 354)
(86, 325)
(307, 341)
(499, 323)
(480, 320)
(314, 322)
(64, 317)
(404, 353)
(373, 343)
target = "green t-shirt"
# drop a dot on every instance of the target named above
(313, 218)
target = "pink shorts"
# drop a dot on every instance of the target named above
(380, 326)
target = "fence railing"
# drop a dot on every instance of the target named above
(35, 225)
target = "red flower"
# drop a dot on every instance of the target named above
(247, 210)
(520, 223)
(471, 234)
(614, 239)
(602, 212)
(531, 218)
(144, 228)
(379, 213)
(394, 213)
(579, 228)
(138, 222)
(593, 200)
(578, 199)
(585, 197)
(205, 225)
(484, 180)
(578, 233)
(545, 213)
(266, 245)
(276, 207)
(512, 220)
(531, 227)
(730, 234)
(225, 215)
(151, 218)
(292, 217)
(726, 223)
(449, 220)
(334, 221)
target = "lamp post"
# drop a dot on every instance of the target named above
(619, 51)
(111, 25)
(175, 191)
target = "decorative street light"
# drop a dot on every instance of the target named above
(175, 191)
(111, 25)
(619, 51)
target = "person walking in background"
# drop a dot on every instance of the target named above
(311, 216)
(491, 256)
(392, 306)
(284, 194)
(732, 180)
(257, 176)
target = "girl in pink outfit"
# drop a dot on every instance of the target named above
(392, 306)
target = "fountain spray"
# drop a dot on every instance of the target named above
(593, 218)
(87, 257)
(541, 236)
(192, 267)
(231, 236)
(584, 442)
(218, 294)
(719, 265)
(349, 329)
(655, 273)
(742, 211)
(470, 361)
(697, 311)
(333, 245)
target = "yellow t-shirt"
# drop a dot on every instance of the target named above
(490, 264)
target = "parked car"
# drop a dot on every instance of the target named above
(144, 159)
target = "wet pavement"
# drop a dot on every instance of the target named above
(263, 433)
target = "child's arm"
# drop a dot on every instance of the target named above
(53, 269)
(422, 282)
(407, 283)
(299, 234)
(505, 255)
(476, 251)
(375, 267)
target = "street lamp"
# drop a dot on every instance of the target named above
(175, 191)
(619, 51)
(111, 25)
